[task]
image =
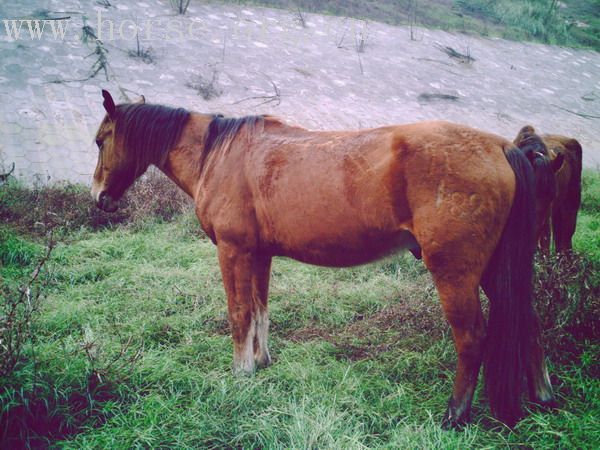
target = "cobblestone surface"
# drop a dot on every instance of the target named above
(48, 120)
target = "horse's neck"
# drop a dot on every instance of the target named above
(183, 162)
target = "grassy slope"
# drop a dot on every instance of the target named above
(512, 19)
(353, 367)
(587, 238)
(588, 12)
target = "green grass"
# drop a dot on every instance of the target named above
(16, 251)
(587, 238)
(132, 350)
(575, 23)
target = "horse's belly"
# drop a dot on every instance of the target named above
(345, 251)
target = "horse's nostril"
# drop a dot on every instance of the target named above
(101, 199)
(102, 202)
(106, 202)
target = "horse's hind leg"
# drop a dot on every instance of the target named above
(538, 380)
(460, 300)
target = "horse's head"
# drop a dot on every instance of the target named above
(545, 165)
(117, 168)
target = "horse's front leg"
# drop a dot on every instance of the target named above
(261, 271)
(246, 278)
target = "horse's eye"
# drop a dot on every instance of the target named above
(99, 143)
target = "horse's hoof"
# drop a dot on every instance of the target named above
(450, 424)
(546, 405)
(455, 419)
(246, 370)
(263, 361)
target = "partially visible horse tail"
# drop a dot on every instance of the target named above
(508, 283)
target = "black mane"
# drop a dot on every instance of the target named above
(150, 131)
(222, 130)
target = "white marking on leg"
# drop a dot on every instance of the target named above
(543, 389)
(243, 358)
(465, 405)
(262, 356)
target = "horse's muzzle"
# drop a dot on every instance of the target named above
(107, 203)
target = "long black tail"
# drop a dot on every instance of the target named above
(508, 283)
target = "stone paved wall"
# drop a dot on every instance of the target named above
(48, 120)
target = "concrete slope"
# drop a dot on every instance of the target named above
(257, 60)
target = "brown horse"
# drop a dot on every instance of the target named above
(459, 197)
(560, 218)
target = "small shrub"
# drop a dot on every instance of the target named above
(146, 54)
(69, 207)
(180, 6)
(4, 176)
(207, 89)
(155, 196)
(35, 406)
(300, 18)
(18, 308)
(63, 205)
(567, 293)
(41, 407)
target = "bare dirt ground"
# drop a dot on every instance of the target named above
(328, 73)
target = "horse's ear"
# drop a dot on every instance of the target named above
(524, 133)
(557, 162)
(142, 99)
(527, 129)
(109, 104)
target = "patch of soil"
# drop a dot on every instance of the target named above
(407, 324)
(219, 325)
